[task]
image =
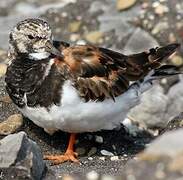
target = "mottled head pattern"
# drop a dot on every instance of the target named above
(30, 36)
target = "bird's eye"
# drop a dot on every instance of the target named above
(30, 37)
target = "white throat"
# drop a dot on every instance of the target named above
(39, 55)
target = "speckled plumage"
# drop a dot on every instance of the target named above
(77, 88)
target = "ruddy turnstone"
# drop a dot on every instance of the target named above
(77, 88)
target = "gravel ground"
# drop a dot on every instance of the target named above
(144, 25)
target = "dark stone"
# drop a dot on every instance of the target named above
(20, 158)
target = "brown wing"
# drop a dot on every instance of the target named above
(94, 73)
(100, 73)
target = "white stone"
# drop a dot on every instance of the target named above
(93, 175)
(106, 153)
(99, 139)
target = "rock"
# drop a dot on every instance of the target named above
(99, 139)
(92, 151)
(160, 27)
(90, 158)
(145, 5)
(108, 177)
(50, 175)
(169, 144)
(156, 108)
(5, 99)
(68, 177)
(94, 36)
(80, 151)
(175, 123)
(102, 158)
(177, 60)
(161, 9)
(172, 38)
(106, 153)
(93, 175)
(152, 109)
(21, 158)
(122, 5)
(119, 23)
(132, 128)
(139, 41)
(175, 101)
(161, 160)
(74, 37)
(81, 42)
(74, 26)
(11, 125)
(3, 68)
(114, 158)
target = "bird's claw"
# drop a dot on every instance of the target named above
(58, 159)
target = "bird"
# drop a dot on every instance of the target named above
(77, 88)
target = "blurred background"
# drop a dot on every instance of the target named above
(127, 26)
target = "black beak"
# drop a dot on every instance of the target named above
(53, 50)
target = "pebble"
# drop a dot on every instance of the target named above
(80, 151)
(81, 42)
(145, 5)
(106, 153)
(114, 147)
(90, 158)
(74, 26)
(122, 5)
(107, 177)
(99, 139)
(93, 175)
(155, 4)
(125, 155)
(160, 27)
(94, 37)
(92, 151)
(12, 124)
(89, 136)
(114, 158)
(161, 9)
(5, 99)
(64, 14)
(177, 60)
(102, 158)
(3, 68)
(74, 37)
(67, 177)
(172, 38)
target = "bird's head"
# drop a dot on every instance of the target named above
(32, 37)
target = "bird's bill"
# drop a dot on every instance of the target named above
(53, 50)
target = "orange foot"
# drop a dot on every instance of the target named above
(58, 159)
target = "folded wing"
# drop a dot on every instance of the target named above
(99, 73)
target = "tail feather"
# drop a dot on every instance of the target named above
(147, 61)
(159, 54)
(162, 72)
(167, 70)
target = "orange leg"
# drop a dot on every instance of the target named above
(69, 155)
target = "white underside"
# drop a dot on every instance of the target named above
(75, 115)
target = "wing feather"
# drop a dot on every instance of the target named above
(99, 73)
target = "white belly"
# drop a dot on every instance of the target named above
(75, 115)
